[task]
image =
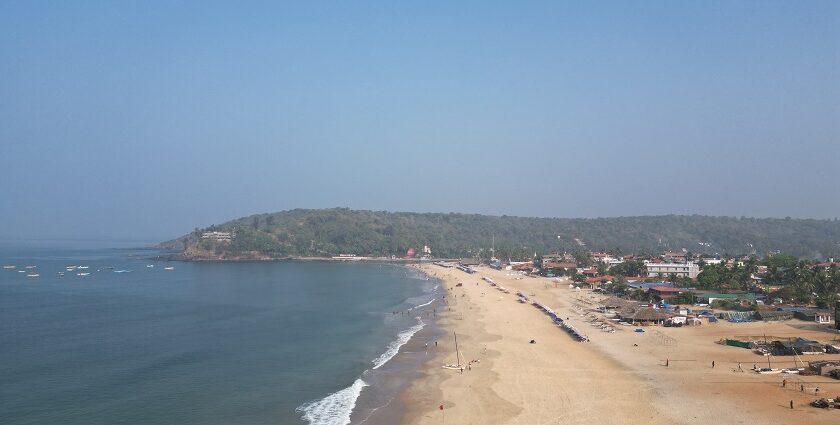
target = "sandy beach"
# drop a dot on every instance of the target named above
(663, 375)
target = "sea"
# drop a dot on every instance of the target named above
(142, 341)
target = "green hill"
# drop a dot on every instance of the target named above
(327, 232)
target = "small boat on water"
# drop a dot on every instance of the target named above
(21, 271)
(149, 266)
(61, 273)
(9, 267)
(169, 268)
(70, 268)
(82, 274)
(30, 267)
(33, 275)
(123, 271)
(83, 267)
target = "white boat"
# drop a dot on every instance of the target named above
(767, 371)
(70, 268)
(456, 366)
(169, 268)
(9, 267)
(123, 271)
(33, 275)
(30, 267)
(82, 274)
(150, 266)
(21, 271)
(61, 273)
(82, 267)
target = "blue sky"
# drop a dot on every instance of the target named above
(146, 119)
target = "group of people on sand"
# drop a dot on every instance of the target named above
(469, 365)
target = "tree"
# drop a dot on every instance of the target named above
(602, 269)
(583, 258)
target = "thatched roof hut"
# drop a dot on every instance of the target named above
(644, 315)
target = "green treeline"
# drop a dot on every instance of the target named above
(325, 232)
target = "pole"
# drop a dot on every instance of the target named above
(768, 357)
(457, 353)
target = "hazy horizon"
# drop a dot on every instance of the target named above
(143, 121)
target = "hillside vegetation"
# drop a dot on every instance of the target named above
(327, 232)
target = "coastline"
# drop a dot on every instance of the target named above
(617, 378)
(373, 398)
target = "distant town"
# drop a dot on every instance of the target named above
(776, 287)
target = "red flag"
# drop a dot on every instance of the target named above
(441, 407)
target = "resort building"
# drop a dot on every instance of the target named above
(217, 236)
(665, 269)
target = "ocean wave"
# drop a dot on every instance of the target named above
(334, 409)
(394, 346)
(422, 305)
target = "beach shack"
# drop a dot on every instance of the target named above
(665, 292)
(770, 315)
(813, 315)
(798, 346)
(643, 315)
(594, 282)
(824, 368)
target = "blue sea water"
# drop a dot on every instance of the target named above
(205, 343)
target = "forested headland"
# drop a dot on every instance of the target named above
(336, 231)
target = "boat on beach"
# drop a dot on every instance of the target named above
(458, 365)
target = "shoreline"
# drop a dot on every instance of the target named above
(179, 256)
(378, 400)
(560, 380)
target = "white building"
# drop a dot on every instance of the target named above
(684, 270)
(217, 236)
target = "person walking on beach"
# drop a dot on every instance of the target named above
(713, 364)
(666, 362)
(791, 404)
(739, 367)
(784, 382)
(802, 387)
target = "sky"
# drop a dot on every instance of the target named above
(143, 120)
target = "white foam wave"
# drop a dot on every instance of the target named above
(334, 409)
(394, 346)
(422, 305)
